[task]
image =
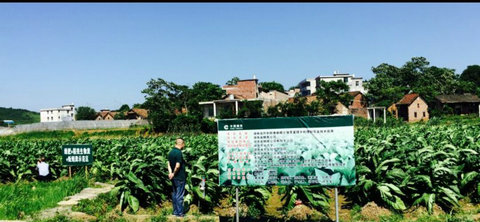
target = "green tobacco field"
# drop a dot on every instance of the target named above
(399, 169)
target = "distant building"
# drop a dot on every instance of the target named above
(66, 113)
(309, 86)
(106, 114)
(459, 104)
(247, 89)
(358, 105)
(272, 98)
(137, 113)
(354, 83)
(411, 108)
(292, 92)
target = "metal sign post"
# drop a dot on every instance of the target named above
(236, 198)
(336, 204)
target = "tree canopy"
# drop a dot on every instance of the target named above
(85, 113)
(267, 86)
(233, 81)
(166, 100)
(391, 83)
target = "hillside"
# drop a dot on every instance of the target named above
(20, 116)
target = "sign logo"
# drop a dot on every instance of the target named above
(225, 127)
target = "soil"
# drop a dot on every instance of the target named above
(371, 211)
(300, 212)
(417, 212)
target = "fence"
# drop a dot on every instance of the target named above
(70, 125)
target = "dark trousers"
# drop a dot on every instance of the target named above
(44, 178)
(177, 196)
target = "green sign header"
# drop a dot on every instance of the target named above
(77, 154)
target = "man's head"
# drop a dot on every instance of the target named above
(41, 159)
(179, 143)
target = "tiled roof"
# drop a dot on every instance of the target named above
(408, 99)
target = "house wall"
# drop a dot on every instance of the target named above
(66, 113)
(358, 102)
(419, 107)
(247, 89)
(272, 98)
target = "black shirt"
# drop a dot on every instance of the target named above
(175, 156)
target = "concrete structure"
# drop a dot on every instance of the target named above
(292, 92)
(459, 104)
(307, 87)
(229, 102)
(66, 113)
(244, 90)
(375, 112)
(354, 83)
(272, 98)
(411, 108)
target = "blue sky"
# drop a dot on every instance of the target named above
(101, 55)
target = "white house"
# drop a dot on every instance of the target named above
(308, 86)
(354, 83)
(66, 113)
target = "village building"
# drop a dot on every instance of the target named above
(309, 86)
(66, 113)
(358, 105)
(106, 114)
(244, 90)
(410, 108)
(137, 113)
(459, 104)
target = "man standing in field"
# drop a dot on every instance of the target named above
(176, 173)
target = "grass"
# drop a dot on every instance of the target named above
(26, 198)
(97, 207)
(76, 134)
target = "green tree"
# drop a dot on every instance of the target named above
(251, 109)
(200, 92)
(137, 105)
(163, 99)
(330, 94)
(120, 116)
(233, 81)
(85, 113)
(391, 83)
(267, 86)
(472, 74)
(124, 108)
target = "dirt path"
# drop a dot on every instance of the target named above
(65, 206)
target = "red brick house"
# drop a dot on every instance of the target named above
(247, 89)
(358, 105)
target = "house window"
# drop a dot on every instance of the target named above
(71, 114)
(424, 114)
(418, 105)
(356, 83)
(415, 114)
(345, 79)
